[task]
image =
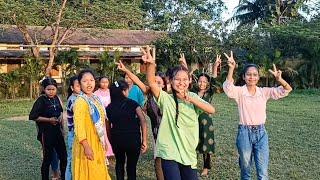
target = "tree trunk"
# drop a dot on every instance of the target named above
(30, 89)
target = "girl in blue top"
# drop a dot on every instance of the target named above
(73, 92)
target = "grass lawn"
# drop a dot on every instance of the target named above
(293, 125)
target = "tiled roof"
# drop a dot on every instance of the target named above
(84, 36)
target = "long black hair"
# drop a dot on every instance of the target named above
(210, 80)
(71, 84)
(172, 73)
(116, 89)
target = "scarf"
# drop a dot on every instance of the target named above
(96, 117)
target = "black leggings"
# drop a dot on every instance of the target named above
(126, 150)
(53, 140)
(206, 161)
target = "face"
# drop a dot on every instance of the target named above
(76, 87)
(126, 92)
(181, 81)
(87, 83)
(203, 83)
(128, 80)
(159, 82)
(104, 83)
(251, 77)
(50, 91)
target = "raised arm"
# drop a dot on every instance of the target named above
(216, 65)
(151, 70)
(133, 77)
(277, 74)
(232, 66)
(183, 61)
(143, 123)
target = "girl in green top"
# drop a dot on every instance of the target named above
(178, 134)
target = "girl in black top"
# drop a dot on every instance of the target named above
(127, 124)
(47, 112)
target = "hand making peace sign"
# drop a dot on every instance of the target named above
(276, 73)
(231, 61)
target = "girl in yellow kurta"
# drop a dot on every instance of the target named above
(88, 153)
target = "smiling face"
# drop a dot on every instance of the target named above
(50, 91)
(203, 83)
(104, 83)
(251, 76)
(87, 83)
(180, 81)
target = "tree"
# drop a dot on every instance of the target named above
(70, 64)
(32, 70)
(107, 65)
(64, 17)
(251, 12)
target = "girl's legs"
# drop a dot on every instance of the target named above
(70, 139)
(252, 142)
(120, 160)
(132, 160)
(55, 164)
(158, 168)
(261, 155)
(244, 146)
(60, 148)
(206, 164)
(47, 147)
(174, 170)
(170, 169)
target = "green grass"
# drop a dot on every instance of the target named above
(294, 135)
(11, 108)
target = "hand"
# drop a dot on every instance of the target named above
(144, 147)
(121, 66)
(88, 153)
(276, 73)
(218, 60)
(146, 56)
(183, 95)
(231, 61)
(54, 121)
(182, 60)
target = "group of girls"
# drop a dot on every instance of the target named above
(111, 122)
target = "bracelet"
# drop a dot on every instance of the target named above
(285, 85)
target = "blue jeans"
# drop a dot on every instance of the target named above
(252, 143)
(70, 139)
(173, 170)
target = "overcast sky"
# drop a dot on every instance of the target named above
(230, 4)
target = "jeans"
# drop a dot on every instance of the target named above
(173, 170)
(252, 143)
(70, 139)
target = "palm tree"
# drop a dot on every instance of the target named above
(251, 12)
(272, 12)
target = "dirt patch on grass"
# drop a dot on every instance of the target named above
(17, 118)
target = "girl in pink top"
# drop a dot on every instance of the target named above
(252, 138)
(104, 95)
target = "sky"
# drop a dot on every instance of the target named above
(230, 4)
